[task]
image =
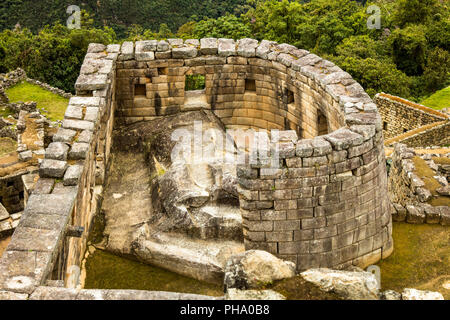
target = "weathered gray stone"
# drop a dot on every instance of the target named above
(255, 268)
(209, 46)
(74, 112)
(415, 214)
(64, 135)
(304, 148)
(414, 294)
(57, 151)
(347, 284)
(445, 215)
(7, 295)
(30, 239)
(26, 156)
(96, 47)
(43, 186)
(127, 51)
(85, 136)
(72, 175)
(175, 42)
(79, 151)
(85, 101)
(3, 212)
(390, 295)
(264, 49)
(91, 114)
(247, 47)
(91, 82)
(321, 147)
(192, 43)
(400, 215)
(58, 204)
(163, 46)
(184, 52)
(78, 124)
(227, 47)
(50, 168)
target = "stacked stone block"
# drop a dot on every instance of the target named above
(400, 116)
(66, 193)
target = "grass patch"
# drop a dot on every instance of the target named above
(441, 160)
(5, 112)
(421, 259)
(439, 100)
(7, 145)
(53, 103)
(424, 172)
(108, 271)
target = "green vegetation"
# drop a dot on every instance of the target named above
(195, 82)
(53, 103)
(107, 271)
(438, 100)
(7, 145)
(421, 259)
(408, 56)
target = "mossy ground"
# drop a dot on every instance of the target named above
(425, 173)
(7, 145)
(53, 103)
(421, 259)
(439, 100)
(108, 271)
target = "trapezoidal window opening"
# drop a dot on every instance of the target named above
(288, 96)
(163, 71)
(195, 82)
(322, 123)
(250, 85)
(140, 90)
(385, 125)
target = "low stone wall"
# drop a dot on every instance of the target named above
(438, 134)
(400, 115)
(66, 193)
(16, 76)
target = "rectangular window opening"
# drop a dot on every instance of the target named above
(250, 85)
(195, 82)
(385, 126)
(140, 90)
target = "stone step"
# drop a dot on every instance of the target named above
(217, 222)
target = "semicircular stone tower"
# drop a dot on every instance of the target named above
(327, 204)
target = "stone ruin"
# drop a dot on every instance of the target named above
(325, 203)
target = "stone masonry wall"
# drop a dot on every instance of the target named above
(65, 196)
(247, 84)
(438, 135)
(400, 115)
(326, 205)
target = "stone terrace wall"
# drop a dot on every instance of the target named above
(400, 115)
(438, 134)
(66, 193)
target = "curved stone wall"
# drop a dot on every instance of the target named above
(327, 205)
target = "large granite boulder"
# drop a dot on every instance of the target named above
(414, 294)
(255, 268)
(347, 284)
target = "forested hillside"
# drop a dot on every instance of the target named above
(117, 14)
(408, 56)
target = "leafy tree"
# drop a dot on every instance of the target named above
(228, 26)
(437, 71)
(414, 11)
(409, 47)
(376, 76)
(164, 32)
